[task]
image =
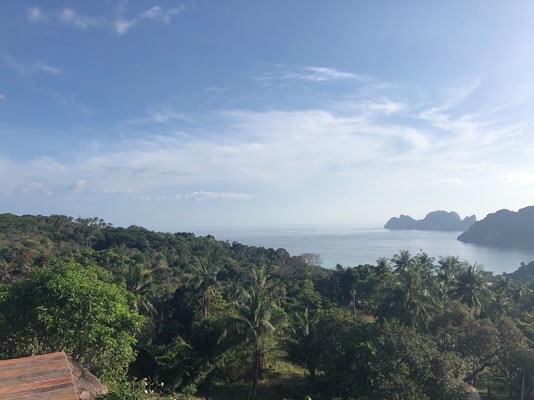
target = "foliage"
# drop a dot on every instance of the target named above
(220, 317)
(66, 307)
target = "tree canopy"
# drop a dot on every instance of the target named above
(174, 314)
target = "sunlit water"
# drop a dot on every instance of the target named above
(351, 247)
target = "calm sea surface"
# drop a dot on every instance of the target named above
(351, 246)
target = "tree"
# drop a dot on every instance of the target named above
(411, 298)
(402, 260)
(139, 283)
(304, 347)
(479, 343)
(425, 263)
(447, 270)
(66, 307)
(501, 301)
(409, 366)
(386, 361)
(346, 355)
(204, 278)
(470, 281)
(259, 315)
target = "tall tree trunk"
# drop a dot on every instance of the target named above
(523, 384)
(256, 366)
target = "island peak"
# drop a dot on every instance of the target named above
(434, 221)
(503, 228)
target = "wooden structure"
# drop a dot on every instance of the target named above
(47, 377)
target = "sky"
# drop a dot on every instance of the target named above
(183, 115)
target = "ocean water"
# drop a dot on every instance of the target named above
(354, 246)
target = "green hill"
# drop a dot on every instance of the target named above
(503, 228)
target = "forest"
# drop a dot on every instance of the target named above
(178, 316)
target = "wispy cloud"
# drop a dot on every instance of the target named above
(34, 66)
(508, 105)
(35, 187)
(518, 177)
(157, 12)
(451, 181)
(123, 25)
(71, 18)
(72, 101)
(285, 74)
(215, 89)
(355, 140)
(36, 15)
(44, 67)
(79, 186)
(2, 97)
(214, 196)
(319, 74)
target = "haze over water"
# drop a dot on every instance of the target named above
(354, 246)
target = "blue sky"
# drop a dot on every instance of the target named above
(181, 115)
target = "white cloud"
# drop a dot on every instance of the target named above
(378, 107)
(79, 187)
(123, 25)
(451, 181)
(164, 116)
(71, 18)
(34, 66)
(120, 25)
(35, 187)
(214, 196)
(36, 15)
(154, 12)
(71, 101)
(418, 140)
(215, 89)
(376, 143)
(2, 97)
(44, 67)
(286, 74)
(319, 74)
(508, 105)
(518, 177)
(157, 12)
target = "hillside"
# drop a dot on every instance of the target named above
(172, 315)
(27, 241)
(433, 221)
(503, 228)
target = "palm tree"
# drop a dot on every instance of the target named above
(412, 298)
(382, 265)
(139, 282)
(304, 348)
(256, 315)
(501, 301)
(447, 270)
(470, 281)
(204, 279)
(402, 260)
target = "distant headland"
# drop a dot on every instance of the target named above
(503, 228)
(434, 221)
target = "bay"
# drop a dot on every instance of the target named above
(354, 246)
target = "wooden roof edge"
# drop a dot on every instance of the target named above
(39, 357)
(87, 385)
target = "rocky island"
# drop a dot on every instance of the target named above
(434, 221)
(503, 228)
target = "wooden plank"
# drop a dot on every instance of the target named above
(44, 377)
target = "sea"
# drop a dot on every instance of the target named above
(354, 246)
